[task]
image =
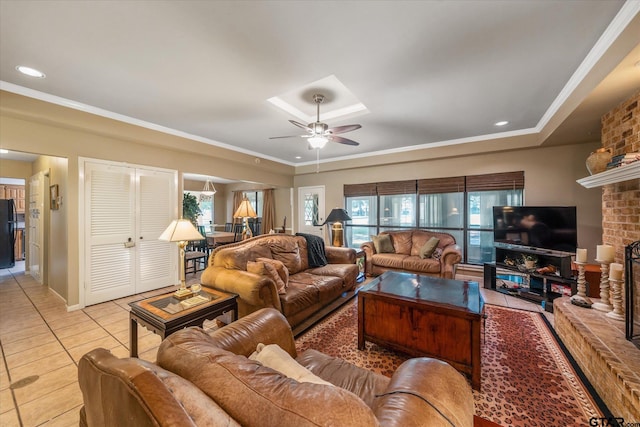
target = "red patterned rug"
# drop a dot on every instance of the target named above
(527, 380)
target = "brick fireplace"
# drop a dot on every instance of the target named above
(597, 342)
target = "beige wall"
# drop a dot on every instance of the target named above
(55, 236)
(15, 169)
(550, 179)
(37, 127)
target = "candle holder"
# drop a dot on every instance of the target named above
(604, 304)
(581, 299)
(616, 292)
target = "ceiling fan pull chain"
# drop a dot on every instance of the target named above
(317, 160)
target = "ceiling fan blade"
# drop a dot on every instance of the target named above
(288, 136)
(300, 125)
(342, 140)
(343, 129)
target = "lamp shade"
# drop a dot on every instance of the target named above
(338, 214)
(180, 230)
(245, 210)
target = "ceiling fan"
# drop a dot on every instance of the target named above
(319, 133)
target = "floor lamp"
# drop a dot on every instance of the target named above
(336, 217)
(245, 211)
(181, 231)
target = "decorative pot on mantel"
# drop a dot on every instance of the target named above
(597, 161)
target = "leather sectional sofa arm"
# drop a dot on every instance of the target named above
(253, 289)
(337, 255)
(425, 389)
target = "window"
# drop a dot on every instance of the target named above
(460, 206)
(255, 198)
(206, 207)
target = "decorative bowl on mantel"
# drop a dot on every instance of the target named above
(598, 160)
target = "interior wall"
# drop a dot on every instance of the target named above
(55, 236)
(550, 179)
(33, 126)
(219, 198)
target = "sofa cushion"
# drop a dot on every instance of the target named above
(427, 249)
(388, 260)
(255, 395)
(283, 272)
(288, 252)
(266, 269)
(402, 242)
(347, 273)
(276, 358)
(421, 265)
(306, 289)
(383, 244)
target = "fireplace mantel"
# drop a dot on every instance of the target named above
(612, 176)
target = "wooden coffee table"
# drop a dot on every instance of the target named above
(424, 316)
(164, 314)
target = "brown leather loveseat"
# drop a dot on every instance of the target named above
(207, 380)
(405, 254)
(308, 289)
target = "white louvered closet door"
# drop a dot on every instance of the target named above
(156, 206)
(110, 236)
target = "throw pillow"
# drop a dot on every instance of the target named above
(277, 359)
(427, 249)
(282, 270)
(268, 270)
(437, 254)
(382, 243)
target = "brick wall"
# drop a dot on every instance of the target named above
(621, 201)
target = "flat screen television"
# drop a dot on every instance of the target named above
(539, 227)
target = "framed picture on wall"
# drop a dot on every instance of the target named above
(53, 195)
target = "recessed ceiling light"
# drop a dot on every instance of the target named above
(502, 123)
(298, 157)
(32, 72)
(3, 151)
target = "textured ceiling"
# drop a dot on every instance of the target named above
(429, 72)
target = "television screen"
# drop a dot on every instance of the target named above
(545, 227)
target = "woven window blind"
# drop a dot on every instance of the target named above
(355, 190)
(396, 187)
(441, 185)
(496, 181)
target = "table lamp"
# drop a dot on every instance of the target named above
(181, 231)
(245, 211)
(337, 217)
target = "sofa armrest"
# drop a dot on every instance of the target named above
(369, 250)
(451, 256)
(253, 289)
(267, 326)
(338, 255)
(426, 392)
(131, 391)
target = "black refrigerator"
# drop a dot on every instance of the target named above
(8, 223)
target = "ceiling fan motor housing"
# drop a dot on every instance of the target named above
(318, 128)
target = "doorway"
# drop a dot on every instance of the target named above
(311, 210)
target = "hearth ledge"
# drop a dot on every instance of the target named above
(609, 361)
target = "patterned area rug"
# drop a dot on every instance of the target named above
(527, 379)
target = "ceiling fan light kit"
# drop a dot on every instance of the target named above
(320, 133)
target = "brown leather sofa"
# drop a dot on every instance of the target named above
(407, 245)
(207, 380)
(309, 289)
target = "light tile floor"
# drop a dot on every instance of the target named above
(41, 344)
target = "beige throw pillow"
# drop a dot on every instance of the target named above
(265, 269)
(427, 249)
(277, 359)
(382, 243)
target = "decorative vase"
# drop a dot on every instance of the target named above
(597, 161)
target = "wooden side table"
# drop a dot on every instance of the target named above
(164, 314)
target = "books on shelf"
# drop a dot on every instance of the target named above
(623, 159)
